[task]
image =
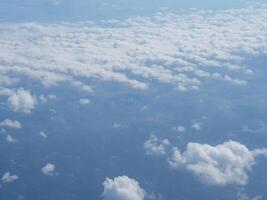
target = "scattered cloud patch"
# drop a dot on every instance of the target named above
(117, 125)
(8, 178)
(196, 126)
(44, 98)
(49, 169)
(156, 146)
(179, 129)
(10, 139)
(22, 101)
(43, 135)
(242, 195)
(84, 101)
(122, 188)
(11, 123)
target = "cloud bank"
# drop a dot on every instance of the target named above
(181, 50)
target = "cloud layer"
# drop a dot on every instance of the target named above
(182, 50)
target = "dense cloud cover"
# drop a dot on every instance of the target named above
(182, 50)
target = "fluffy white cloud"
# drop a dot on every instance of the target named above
(181, 50)
(156, 146)
(226, 163)
(49, 169)
(8, 178)
(22, 101)
(10, 123)
(122, 188)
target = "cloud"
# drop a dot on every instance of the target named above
(8, 178)
(122, 188)
(43, 135)
(155, 146)
(11, 123)
(242, 195)
(10, 139)
(223, 164)
(196, 125)
(22, 101)
(44, 98)
(179, 129)
(180, 50)
(54, 3)
(84, 101)
(48, 169)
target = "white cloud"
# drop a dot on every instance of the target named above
(122, 188)
(22, 101)
(49, 169)
(242, 195)
(11, 123)
(8, 178)
(10, 139)
(44, 98)
(116, 125)
(184, 51)
(223, 164)
(84, 101)
(196, 126)
(42, 134)
(179, 128)
(156, 146)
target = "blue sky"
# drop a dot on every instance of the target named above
(73, 10)
(123, 100)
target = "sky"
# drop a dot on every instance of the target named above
(133, 100)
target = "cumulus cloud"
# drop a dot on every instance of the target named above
(184, 51)
(11, 123)
(49, 169)
(22, 101)
(227, 163)
(122, 188)
(8, 178)
(156, 146)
